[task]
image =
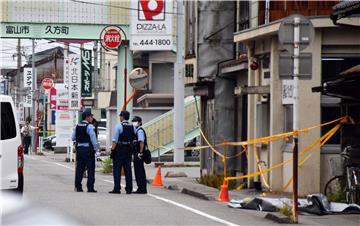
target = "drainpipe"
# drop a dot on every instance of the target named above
(267, 11)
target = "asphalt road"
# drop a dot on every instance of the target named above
(49, 185)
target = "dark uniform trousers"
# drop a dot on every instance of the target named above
(27, 143)
(122, 158)
(85, 157)
(140, 174)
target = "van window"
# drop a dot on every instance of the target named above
(7, 121)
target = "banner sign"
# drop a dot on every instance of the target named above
(53, 99)
(74, 82)
(86, 78)
(28, 100)
(28, 77)
(151, 25)
(53, 30)
(64, 127)
(66, 71)
(62, 97)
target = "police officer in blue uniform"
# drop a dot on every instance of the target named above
(122, 144)
(86, 151)
(139, 148)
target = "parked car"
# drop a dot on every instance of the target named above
(11, 149)
(101, 139)
(48, 142)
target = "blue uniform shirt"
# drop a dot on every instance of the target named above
(118, 130)
(90, 130)
(140, 134)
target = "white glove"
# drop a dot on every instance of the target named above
(140, 155)
(97, 154)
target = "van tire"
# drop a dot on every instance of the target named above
(20, 188)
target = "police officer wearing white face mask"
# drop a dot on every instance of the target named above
(139, 148)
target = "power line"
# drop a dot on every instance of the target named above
(119, 7)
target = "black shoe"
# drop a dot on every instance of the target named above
(140, 192)
(128, 192)
(92, 191)
(114, 192)
(79, 190)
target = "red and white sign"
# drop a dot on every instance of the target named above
(47, 83)
(53, 99)
(111, 37)
(62, 97)
(151, 26)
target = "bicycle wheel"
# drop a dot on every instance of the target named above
(334, 188)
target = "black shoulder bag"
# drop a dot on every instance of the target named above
(146, 153)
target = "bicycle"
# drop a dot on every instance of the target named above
(349, 182)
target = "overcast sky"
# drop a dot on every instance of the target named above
(8, 57)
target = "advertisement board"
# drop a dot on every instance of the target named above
(86, 78)
(151, 25)
(64, 127)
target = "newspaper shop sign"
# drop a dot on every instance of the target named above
(74, 82)
(86, 86)
(111, 37)
(151, 25)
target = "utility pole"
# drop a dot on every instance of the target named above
(296, 116)
(179, 128)
(33, 90)
(18, 74)
(96, 83)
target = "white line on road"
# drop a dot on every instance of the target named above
(186, 207)
(193, 210)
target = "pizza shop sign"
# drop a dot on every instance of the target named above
(111, 37)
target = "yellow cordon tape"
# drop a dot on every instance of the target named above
(324, 138)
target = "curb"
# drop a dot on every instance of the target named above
(197, 194)
(278, 218)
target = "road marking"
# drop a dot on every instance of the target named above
(168, 201)
(193, 210)
(67, 167)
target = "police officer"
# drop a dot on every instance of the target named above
(139, 148)
(86, 151)
(122, 140)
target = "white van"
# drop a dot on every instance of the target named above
(11, 150)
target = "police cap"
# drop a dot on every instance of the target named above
(137, 119)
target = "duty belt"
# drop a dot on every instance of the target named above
(124, 143)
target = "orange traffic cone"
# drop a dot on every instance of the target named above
(157, 179)
(224, 192)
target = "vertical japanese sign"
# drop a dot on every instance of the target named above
(287, 91)
(86, 85)
(151, 25)
(53, 99)
(66, 71)
(28, 77)
(62, 97)
(28, 100)
(74, 82)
